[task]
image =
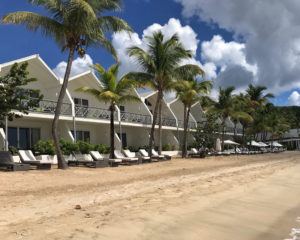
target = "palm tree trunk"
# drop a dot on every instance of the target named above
(160, 127)
(155, 113)
(60, 157)
(183, 148)
(223, 135)
(112, 131)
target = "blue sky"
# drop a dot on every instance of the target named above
(17, 42)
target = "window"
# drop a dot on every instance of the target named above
(81, 102)
(23, 138)
(122, 109)
(81, 107)
(82, 136)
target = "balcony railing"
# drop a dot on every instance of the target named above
(169, 122)
(191, 125)
(135, 118)
(49, 106)
(93, 113)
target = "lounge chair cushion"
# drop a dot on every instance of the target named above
(27, 156)
(96, 155)
(144, 153)
(128, 153)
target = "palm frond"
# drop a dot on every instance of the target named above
(114, 24)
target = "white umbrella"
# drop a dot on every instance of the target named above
(229, 142)
(254, 144)
(218, 145)
(262, 144)
(276, 144)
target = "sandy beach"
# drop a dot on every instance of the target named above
(237, 197)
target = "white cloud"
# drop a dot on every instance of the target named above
(80, 65)
(270, 32)
(294, 99)
(223, 53)
(121, 41)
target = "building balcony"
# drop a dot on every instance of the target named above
(49, 106)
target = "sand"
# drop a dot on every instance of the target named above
(238, 197)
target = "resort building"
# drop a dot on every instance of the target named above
(84, 118)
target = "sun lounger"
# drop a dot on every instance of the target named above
(7, 163)
(160, 157)
(145, 154)
(27, 157)
(130, 154)
(196, 154)
(125, 160)
(104, 162)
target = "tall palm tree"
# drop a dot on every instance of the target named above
(242, 104)
(189, 93)
(113, 92)
(257, 96)
(161, 67)
(74, 25)
(224, 108)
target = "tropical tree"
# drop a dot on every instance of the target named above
(257, 96)
(12, 94)
(112, 92)
(161, 64)
(241, 103)
(74, 25)
(189, 93)
(224, 108)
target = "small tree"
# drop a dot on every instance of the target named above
(13, 96)
(189, 93)
(206, 131)
(14, 100)
(113, 92)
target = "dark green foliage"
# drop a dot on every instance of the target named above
(292, 115)
(12, 96)
(206, 132)
(13, 150)
(68, 147)
(101, 148)
(44, 148)
(85, 147)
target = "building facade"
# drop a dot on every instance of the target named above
(84, 118)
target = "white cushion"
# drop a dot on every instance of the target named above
(128, 153)
(96, 155)
(118, 154)
(144, 152)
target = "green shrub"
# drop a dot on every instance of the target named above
(133, 149)
(85, 147)
(44, 147)
(13, 150)
(101, 148)
(167, 147)
(68, 147)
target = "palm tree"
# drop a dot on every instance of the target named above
(189, 93)
(242, 104)
(257, 96)
(113, 92)
(161, 67)
(224, 108)
(74, 25)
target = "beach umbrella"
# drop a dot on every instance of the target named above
(254, 144)
(276, 144)
(262, 144)
(218, 145)
(229, 142)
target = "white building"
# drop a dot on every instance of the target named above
(84, 115)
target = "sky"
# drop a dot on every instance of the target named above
(235, 42)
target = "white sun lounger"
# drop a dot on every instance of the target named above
(98, 157)
(126, 160)
(27, 156)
